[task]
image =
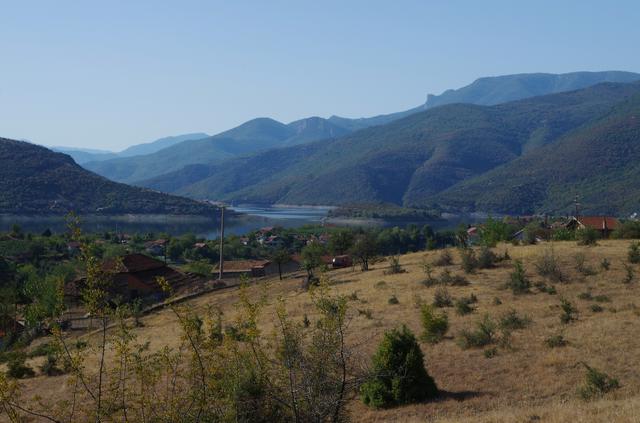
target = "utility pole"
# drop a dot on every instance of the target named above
(221, 267)
(577, 207)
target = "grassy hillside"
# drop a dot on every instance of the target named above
(597, 162)
(404, 162)
(525, 377)
(35, 180)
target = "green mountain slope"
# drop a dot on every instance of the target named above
(35, 180)
(261, 134)
(252, 136)
(600, 163)
(405, 162)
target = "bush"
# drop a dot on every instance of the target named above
(596, 308)
(587, 236)
(581, 267)
(442, 298)
(518, 281)
(490, 352)
(445, 259)
(434, 326)
(556, 341)
(604, 264)
(398, 374)
(17, 369)
(602, 299)
(50, 366)
(393, 300)
(446, 278)
(469, 260)
(512, 321)
(547, 266)
(563, 234)
(484, 334)
(487, 258)
(427, 268)
(596, 384)
(634, 252)
(463, 308)
(568, 311)
(394, 266)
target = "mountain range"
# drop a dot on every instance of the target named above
(510, 144)
(263, 133)
(37, 181)
(86, 155)
(415, 161)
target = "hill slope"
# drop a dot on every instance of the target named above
(599, 162)
(35, 180)
(404, 162)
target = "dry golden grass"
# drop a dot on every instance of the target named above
(530, 382)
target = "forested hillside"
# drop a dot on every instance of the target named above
(35, 180)
(405, 162)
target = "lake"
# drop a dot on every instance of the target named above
(252, 218)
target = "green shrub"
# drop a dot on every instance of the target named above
(596, 308)
(463, 308)
(634, 253)
(497, 301)
(442, 298)
(445, 259)
(596, 384)
(556, 341)
(394, 266)
(469, 260)
(50, 366)
(585, 296)
(487, 258)
(563, 234)
(605, 264)
(427, 268)
(484, 334)
(393, 300)
(587, 236)
(512, 321)
(398, 374)
(568, 311)
(548, 267)
(434, 325)
(447, 278)
(518, 281)
(17, 369)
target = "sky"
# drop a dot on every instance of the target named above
(109, 74)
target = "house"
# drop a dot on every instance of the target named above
(248, 268)
(603, 224)
(133, 276)
(155, 248)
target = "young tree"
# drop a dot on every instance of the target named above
(341, 241)
(365, 248)
(280, 257)
(312, 257)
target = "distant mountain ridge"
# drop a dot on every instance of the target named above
(263, 133)
(86, 155)
(37, 181)
(413, 161)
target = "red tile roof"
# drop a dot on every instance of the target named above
(599, 222)
(243, 265)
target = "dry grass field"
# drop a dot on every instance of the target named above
(524, 381)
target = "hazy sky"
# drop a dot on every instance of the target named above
(108, 74)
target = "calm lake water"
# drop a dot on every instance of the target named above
(252, 218)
